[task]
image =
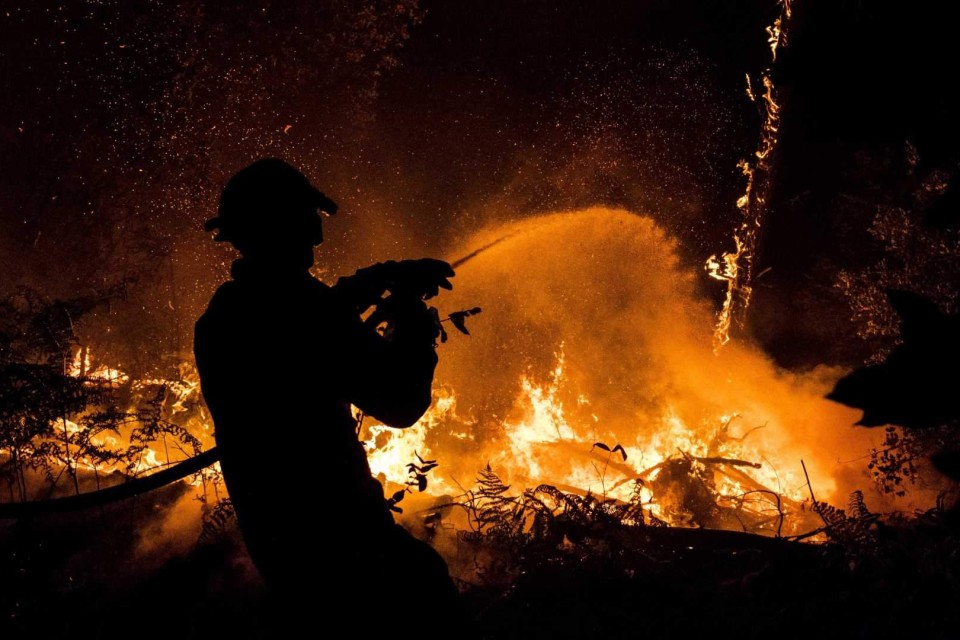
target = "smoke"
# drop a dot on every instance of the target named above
(605, 289)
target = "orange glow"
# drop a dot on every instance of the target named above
(180, 397)
(593, 332)
(82, 366)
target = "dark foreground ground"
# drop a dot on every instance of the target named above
(90, 576)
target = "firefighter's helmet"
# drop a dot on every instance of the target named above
(267, 196)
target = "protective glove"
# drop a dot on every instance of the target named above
(421, 279)
(412, 322)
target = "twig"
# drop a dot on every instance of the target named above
(457, 482)
(360, 417)
(779, 506)
(747, 433)
(730, 461)
(804, 536)
(816, 505)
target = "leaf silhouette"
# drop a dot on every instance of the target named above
(422, 483)
(622, 451)
(422, 461)
(458, 318)
(459, 321)
(600, 445)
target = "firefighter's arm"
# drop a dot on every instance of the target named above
(390, 378)
(365, 287)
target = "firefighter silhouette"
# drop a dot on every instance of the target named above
(282, 357)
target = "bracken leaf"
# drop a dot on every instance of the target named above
(458, 319)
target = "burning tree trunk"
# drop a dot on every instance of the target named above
(736, 268)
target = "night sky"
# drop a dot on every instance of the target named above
(119, 123)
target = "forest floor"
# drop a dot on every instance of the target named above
(82, 576)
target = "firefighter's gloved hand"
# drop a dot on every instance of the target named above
(413, 322)
(421, 279)
(424, 277)
(365, 287)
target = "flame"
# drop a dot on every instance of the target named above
(82, 367)
(528, 456)
(181, 394)
(545, 422)
(776, 34)
(736, 268)
(727, 269)
(544, 441)
(389, 451)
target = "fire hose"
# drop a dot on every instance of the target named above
(116, 493)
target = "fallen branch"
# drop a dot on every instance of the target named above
(733, 462)
(808, 534)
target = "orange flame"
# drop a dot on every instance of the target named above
(181, 394)
(737, 267)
